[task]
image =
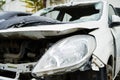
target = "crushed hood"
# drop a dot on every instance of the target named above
(41, 31)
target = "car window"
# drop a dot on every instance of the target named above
(88, 18)
(110, 13)
(91, 12)
(76, 13)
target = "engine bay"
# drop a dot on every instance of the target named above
(23, 51)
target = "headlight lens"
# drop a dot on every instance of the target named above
(67, 53)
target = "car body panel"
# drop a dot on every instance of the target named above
(116, 34)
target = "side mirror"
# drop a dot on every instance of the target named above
(115, 19)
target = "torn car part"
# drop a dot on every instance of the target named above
(97, 62)
(11, 14)
(26, 21)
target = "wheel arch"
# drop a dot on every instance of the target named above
(110, 61)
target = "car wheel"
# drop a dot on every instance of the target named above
(109, 72)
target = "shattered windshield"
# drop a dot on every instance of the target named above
(74, 13)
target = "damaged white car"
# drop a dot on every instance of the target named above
(73, 41)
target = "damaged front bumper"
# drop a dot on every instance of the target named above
(17, 69)
(95, 64)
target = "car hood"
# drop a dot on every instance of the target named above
(42, 31)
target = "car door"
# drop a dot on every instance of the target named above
(115, 29)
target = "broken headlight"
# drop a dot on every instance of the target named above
(66, 55)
